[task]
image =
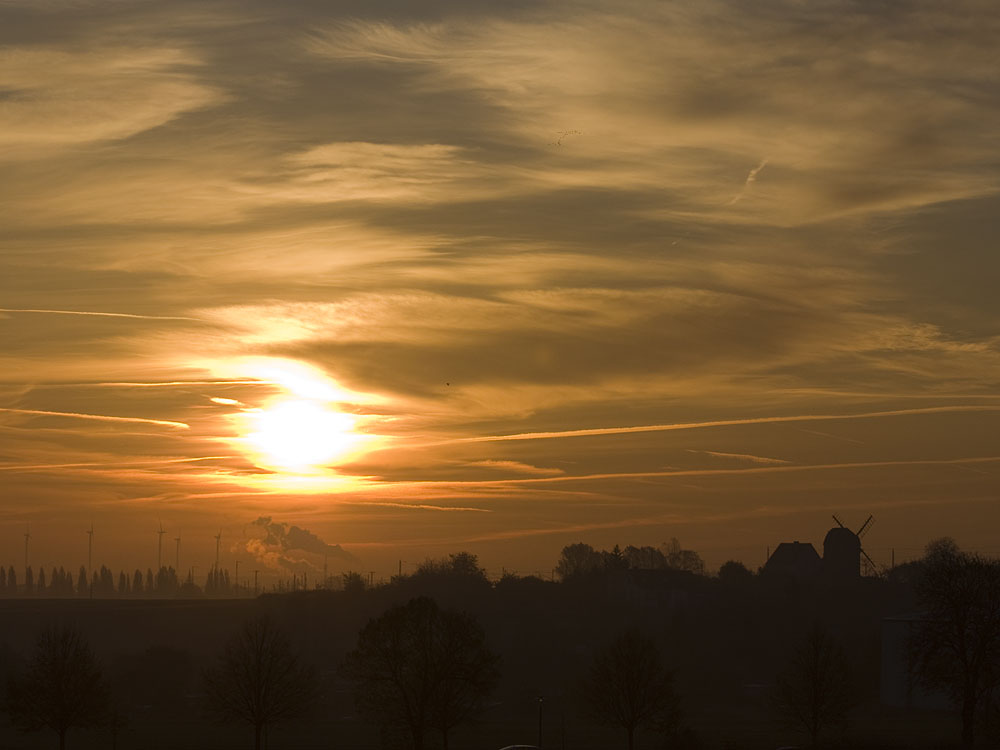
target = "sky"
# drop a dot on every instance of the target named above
(415, 278)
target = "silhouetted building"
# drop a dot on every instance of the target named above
(841, 554)
(841, 561)
(797, 560)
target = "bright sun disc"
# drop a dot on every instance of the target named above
(301, 435)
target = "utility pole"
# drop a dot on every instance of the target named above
(255, 589)
(237, 582)
(27, 538)
(177, 558)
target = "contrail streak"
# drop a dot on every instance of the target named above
(146, 384)
(97, 314)
(711, 472)
(424, 506)
(98, 417)
(716, 423)
(82, 464)
(742, 457)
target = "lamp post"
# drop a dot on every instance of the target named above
(541, 700)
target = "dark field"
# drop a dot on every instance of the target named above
(724, 643)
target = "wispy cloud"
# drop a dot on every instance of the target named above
(67, 97)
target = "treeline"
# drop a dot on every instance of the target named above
(103, 583)
(576, 560)
(581, 559)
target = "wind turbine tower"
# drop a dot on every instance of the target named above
(177, 561)
(218, 545)
(90, 550)
(27, 538)
(159, 548)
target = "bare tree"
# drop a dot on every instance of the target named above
(683, 559)
(468, 672)
(956, 646)
(259, 680)
(815, 692)
(629, 687)
(62, 687)
(418, 666)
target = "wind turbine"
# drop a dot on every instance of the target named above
(90, 549)
(159, 549)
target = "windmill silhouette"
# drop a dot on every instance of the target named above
(870, 568)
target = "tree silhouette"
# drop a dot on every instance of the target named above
(614, 560)
(956, 647)
(62, 687)
(259, 681)
(418, 666)
(815, 692)
(734, 573)
(644, 558)
(629, 687)
(578, 559)
(458, 568)
(683, 559)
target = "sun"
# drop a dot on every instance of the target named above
(301, 435)
(302, 430)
